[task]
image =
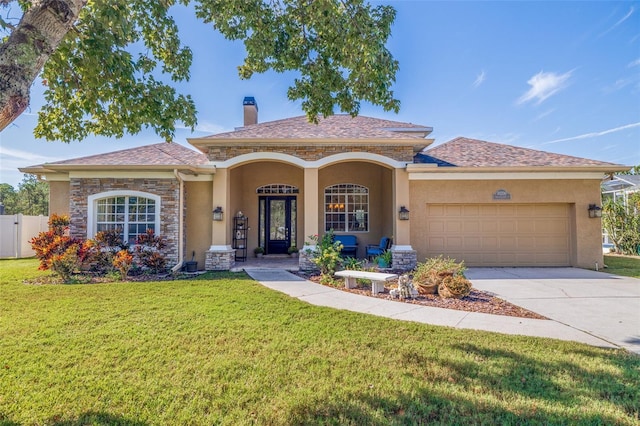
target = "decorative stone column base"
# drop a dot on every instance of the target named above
(304, 260)
(404, 259)
(220, 259)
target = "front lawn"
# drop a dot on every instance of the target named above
(629, 266)
(225, 350)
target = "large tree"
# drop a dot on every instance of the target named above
(31, 198)
(108, 65)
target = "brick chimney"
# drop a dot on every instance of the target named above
(250, 110)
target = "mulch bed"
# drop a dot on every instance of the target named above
(477, 301)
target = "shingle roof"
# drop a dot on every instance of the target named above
(465, 152)
(160, 154)
(339, 126)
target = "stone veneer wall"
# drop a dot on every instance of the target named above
(167, 189)
(304, 260)
(404, 260)
(311, 152)
(220, 260)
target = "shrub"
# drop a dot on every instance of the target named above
(149, 251)
(123, 261)
(622, 223)
(56, 250)
(352, 264)
(105, 245)
(326, 254)
(65, 264)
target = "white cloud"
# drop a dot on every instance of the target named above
(480, 79)
(24, 155)
(595, 134)
(543, 85)
(544, 114)
(634, 63)
(620, 21)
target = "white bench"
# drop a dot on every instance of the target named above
(377, 279)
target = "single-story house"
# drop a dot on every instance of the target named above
(486, 203)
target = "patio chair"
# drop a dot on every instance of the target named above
(377, 250)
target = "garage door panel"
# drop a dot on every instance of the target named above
(526, 227)
(508, 226)
(550, 226)
(500, 235)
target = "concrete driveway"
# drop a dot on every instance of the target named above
(603, 305)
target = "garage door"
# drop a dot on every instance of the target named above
(500, 235)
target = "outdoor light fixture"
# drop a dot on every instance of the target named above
(595, 211)
(403, 214)
(217, 213)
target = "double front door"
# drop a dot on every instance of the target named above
(277, 223)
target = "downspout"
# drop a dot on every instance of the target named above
(178, 265)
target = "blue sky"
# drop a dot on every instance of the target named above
(555, 76)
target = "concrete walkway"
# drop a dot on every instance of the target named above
(320, 295)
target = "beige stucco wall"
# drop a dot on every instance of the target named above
(198, 223)
(379, 181)
(245, 179)
(59, 197)
(586, 233)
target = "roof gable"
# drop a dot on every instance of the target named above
(465, 152)
(160, 154)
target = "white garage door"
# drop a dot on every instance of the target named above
(500, 234)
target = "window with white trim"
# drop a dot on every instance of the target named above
(130, 212)
(346, 208)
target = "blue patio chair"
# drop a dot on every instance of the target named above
(377, 250)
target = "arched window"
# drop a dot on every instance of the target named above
(130, 212)
(346, 208)
(277, 188)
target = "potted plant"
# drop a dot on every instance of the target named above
(293, 251)
(258, 251)
(385, 259)
(456, 287)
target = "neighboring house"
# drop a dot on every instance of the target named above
(618, 187)
(485, 203)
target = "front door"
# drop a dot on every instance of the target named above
(277, 223)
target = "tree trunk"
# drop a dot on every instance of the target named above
(30, 44)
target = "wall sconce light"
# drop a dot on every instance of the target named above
(403, 214)
(595, 211)
(218, 213)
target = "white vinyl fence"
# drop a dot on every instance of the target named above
(16, 231)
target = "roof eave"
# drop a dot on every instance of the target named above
(429, 168)
(204, 142)
(54, 168)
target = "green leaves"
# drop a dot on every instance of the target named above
(112, 74)
(338, 47)
(621, 221)
(95, 86)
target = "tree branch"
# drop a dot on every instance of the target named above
(28, 47)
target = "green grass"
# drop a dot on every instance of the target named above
(225, 350)
(629, 266)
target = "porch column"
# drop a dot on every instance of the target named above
(311, 209)
(311, 216)
(220, 256)
(404, 257)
